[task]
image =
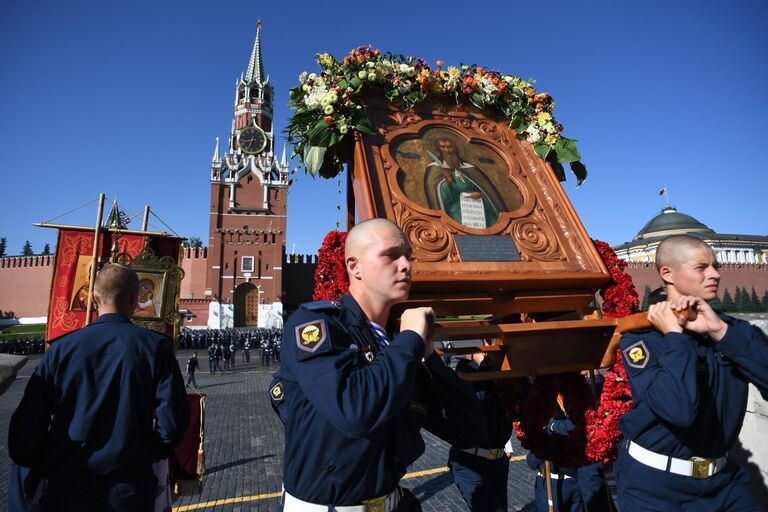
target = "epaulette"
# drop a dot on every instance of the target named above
(322, 305)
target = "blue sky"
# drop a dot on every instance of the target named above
(127, 98)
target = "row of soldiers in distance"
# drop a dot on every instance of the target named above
(204, 338)
(23, 346)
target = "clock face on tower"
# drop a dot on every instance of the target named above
(252, 140)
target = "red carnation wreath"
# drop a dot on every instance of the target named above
(596, 436)
(331, 279)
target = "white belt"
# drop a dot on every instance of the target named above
(490, 454)
(556, 476)
(386, 503)
(695, 467)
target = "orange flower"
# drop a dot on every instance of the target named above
(440, 64)
(377, 52)
(328, 119)
(347, 60)
(360, 59)
(529, 92)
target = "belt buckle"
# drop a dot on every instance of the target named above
(493, 453)
(700, 467)
(375, 504)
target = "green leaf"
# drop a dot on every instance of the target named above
(517, 123)
(566, 150)
(558, 168)
(365, 125)
(313, 159)
(343, 84)
(320, 135)
(355, 82)
(477, 99)
(542, 150)
(580, 171)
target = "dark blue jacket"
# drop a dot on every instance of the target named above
(351, 409)
(689, 392)
(88, 407)
(499, 426)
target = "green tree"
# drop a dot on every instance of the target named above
(193, 241)
(754, 302)
(738, 300)
(716, 303)
(728, 304)
(46, 249)
(2, 246)
(27, 249)
(646, 294)
(765, 301)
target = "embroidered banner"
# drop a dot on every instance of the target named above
(72, 272)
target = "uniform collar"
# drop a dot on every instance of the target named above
(352, 312)
(112, 317)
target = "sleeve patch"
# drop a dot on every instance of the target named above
(277, 392)
(311, 336)
(637, 355)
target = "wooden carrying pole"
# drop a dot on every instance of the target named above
(548, 479)
(94, 260)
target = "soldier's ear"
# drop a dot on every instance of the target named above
(353, 267)
(667, 274)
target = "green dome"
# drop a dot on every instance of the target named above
(671, 222)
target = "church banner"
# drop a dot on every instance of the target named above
(154, 258)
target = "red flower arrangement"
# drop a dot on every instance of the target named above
(331, 279)
(619, 299)
(531, 430)
(596, 436)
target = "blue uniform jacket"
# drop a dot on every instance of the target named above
(689, 392)
(352, 410)
(88, 407)
(499, 426)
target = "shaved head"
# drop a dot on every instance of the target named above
(364, 235)
(377, 257)
(675, 250)
(687, 266)
(116, 286)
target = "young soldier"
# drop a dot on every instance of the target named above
(689, 383)
(346, 391)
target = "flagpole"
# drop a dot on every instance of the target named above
(146, 218)
(94, 261)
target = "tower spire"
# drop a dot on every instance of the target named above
(255, 70)
(216, 152)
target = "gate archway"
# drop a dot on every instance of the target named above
(246, 305)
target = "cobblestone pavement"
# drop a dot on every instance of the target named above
(243, 448)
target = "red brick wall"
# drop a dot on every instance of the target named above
(744, 275)
(194, 264)
(25, 285)
(198, 308)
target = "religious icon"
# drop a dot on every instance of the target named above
(78, 300)
(469, 182)
(150, 295)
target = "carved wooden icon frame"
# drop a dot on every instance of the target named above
(550, 254)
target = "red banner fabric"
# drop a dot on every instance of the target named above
(72, 272)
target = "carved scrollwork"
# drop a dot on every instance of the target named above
(431, 240)
(536, 240)
(491, 129)
(402, 119)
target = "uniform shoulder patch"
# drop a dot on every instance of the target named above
(276, 392)
(310, 336)
(637, 355)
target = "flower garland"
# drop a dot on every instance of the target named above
(619, 299)
(595, 437)
(331, 279)
(531, 430)
(328, 104)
